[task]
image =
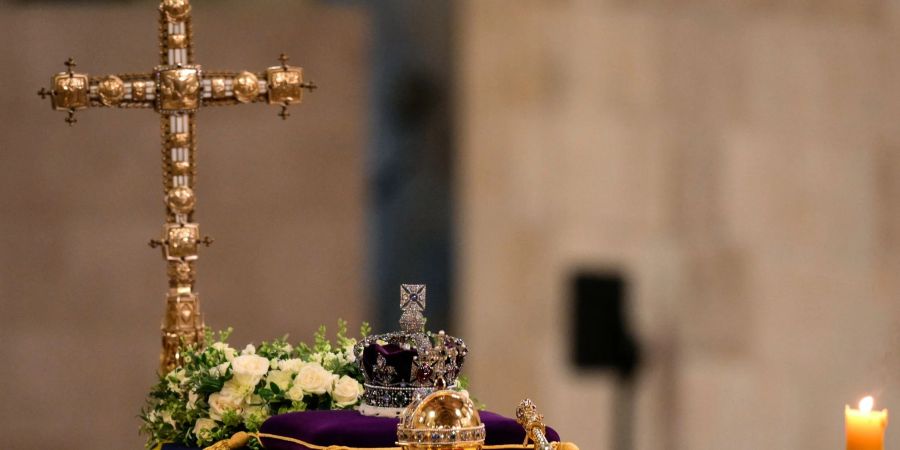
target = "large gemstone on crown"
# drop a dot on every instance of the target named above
(178, 88)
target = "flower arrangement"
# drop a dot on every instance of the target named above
(220, 391)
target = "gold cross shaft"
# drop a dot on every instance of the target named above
(177, 89)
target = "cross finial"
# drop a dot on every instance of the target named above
(309, 85)
(284, 59)
(70, 119)
(284, 114)
(412, 303)
(44, 93)
(70, 63)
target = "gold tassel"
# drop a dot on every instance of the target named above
(237, 441)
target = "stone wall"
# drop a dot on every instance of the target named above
(737, 160)
(81, 294)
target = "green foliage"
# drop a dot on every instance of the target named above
(206, 396)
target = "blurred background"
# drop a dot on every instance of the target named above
(674, 224)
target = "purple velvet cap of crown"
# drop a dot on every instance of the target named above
(395, 356)
(352, 429)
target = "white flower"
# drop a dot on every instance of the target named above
(176, 379)
(348, 350)
(220, 346)
(221, 403)
(167, 418)
(230, 398)
(317, 358)
(331, 360)
(295, 393)
(192, 401)
(280, 378)
(249, 350)
(291, 365)
(314, 379)
(224, 348)
(220, 370)
(233, 388)
(249, 369)
(203, 428)
(256, 407)
(346, 391)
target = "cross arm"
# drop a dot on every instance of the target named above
(175, 89)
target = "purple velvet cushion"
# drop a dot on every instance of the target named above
(352, 429)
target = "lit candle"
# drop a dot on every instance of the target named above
(864, 427)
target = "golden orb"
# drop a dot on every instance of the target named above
(442, 420)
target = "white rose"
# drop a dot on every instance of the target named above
(204, 427)
(314, 379)
(295, 393)
(230, 398)
(256, 407)
(346, 391)
(249, 350)
(280, 378)
(234, 389)
(249, 369)
(291, 365)
(220, 403)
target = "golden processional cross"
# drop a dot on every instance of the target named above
(176, 89)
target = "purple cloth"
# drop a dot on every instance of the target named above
(352, 429)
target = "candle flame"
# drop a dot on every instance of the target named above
(866, 404)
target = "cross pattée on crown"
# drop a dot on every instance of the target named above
(412, 303)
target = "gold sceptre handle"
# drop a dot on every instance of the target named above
(528, 416)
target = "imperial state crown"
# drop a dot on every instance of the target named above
(400, 366)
